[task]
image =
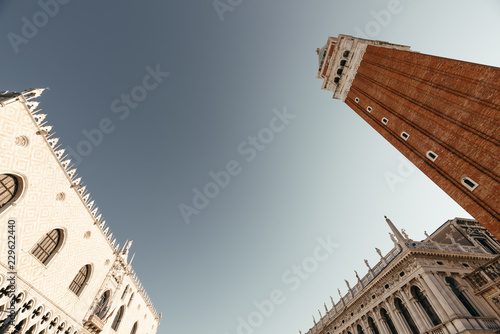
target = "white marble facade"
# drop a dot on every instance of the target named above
(71, 275)
(438, 285)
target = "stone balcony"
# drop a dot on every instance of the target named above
(94, 324)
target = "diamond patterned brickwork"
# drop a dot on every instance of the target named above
(37, 211)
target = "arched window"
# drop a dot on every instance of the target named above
(9, 188)
(130, 300)
(387, 319)
(118, 318)
(80, 279)
(48, 246)
(424, 302)
(102, 306)
(360, 329)
(372, 325)
(465, 302)
(406, 315)
(125, 292)
(134, 328)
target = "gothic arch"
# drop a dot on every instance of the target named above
(49, 245)
(12, 188)
(134, 328)
(81, 279)
(118, 318)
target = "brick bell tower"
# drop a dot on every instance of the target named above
(442, 114)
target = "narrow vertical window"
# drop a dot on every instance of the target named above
(118, 318)
(134, 328)
(125, 292)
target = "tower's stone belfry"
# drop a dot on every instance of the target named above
(442, 114)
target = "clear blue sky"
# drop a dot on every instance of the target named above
(323, 173)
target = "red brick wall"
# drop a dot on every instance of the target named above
(447, 106)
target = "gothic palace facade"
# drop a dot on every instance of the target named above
(61, 271)
(448, 283)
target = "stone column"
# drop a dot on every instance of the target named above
(364, 324)
(433, 300)
(396, 320)
(443, 294)
(417, 317)
(381, 324)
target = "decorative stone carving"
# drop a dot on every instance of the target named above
(22, 141)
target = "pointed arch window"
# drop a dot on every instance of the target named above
(48, 246)
(463, 299)
(373, 326)
(130, 300)
(102, 306)
(360, 329)
(118, 318)
(125, 292)
(134, 328)
(80, 280)
(426, 305)
(388, 320)
(9, 189)
(406, 315)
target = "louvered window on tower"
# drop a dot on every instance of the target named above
(469, 183)
(431, 155)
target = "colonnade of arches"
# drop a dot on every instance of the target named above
(415, 310)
